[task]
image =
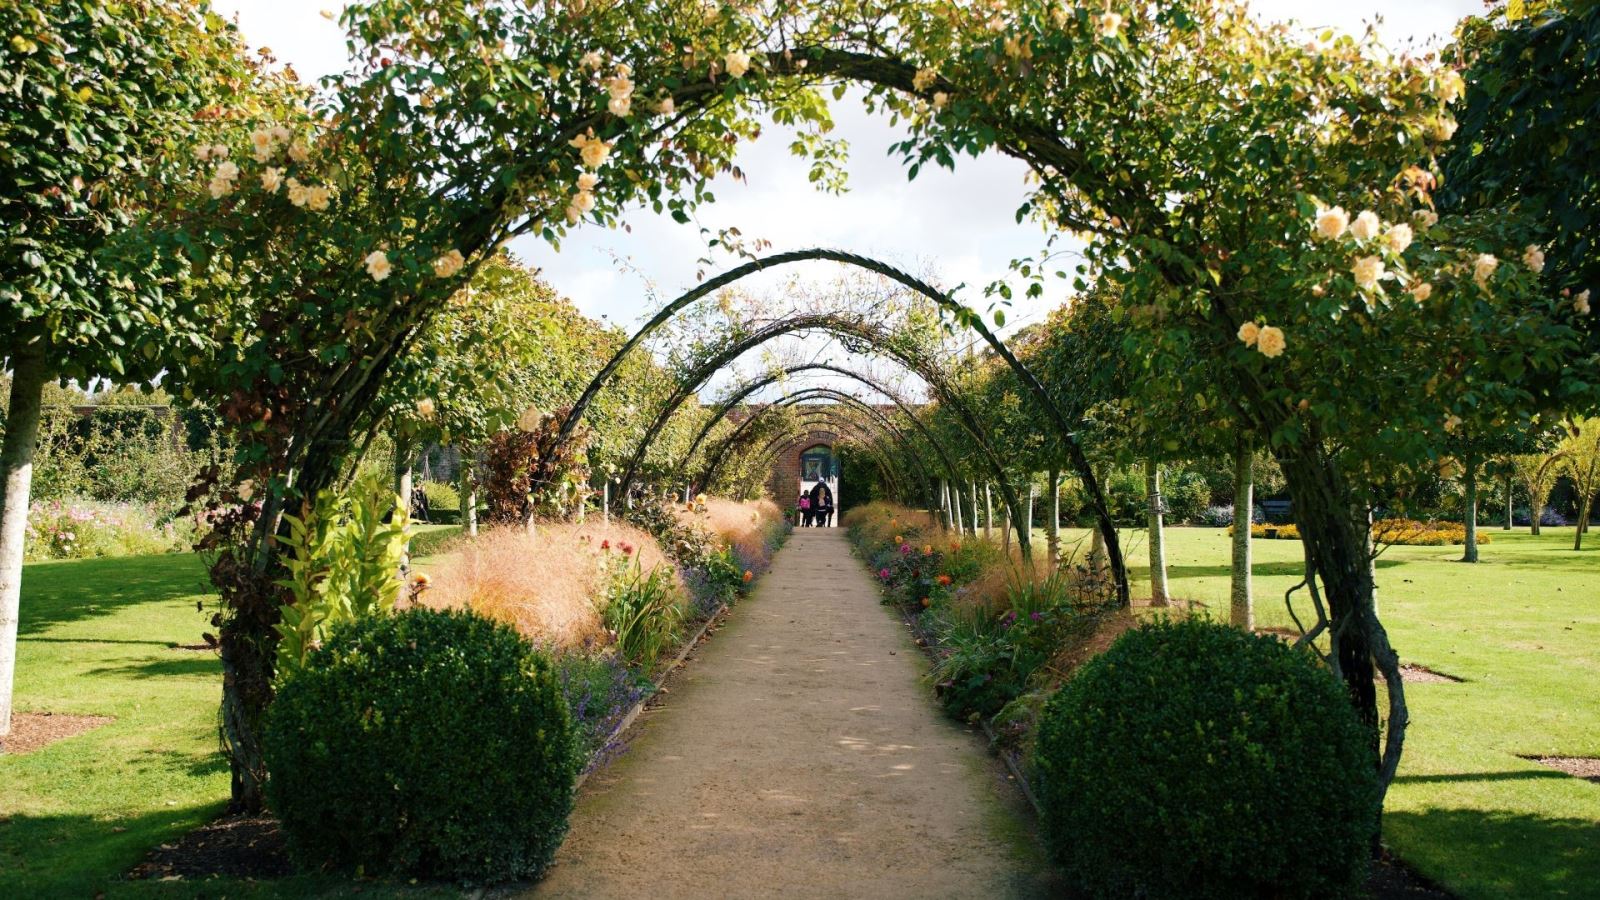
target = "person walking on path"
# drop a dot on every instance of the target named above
(807, 514)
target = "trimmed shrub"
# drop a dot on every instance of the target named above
(430, 744)
(1194, 760)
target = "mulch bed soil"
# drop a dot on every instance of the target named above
(1391, 879)
(34, 731)
(236, 846)
(1585, 767)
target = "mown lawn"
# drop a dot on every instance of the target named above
(98, 637)
(1522, 628)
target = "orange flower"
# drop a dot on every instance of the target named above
(944, 580)
(926, 602)
(421, 580)
(899, 540)
(748, 576)
(927, 549)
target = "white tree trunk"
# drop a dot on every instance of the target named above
(955, 506)
(1052, 532)
(988, 512)
(972, 492)
(1469, 515)
(1244, 482)
(16, 476)
(1027, 513)
(467, 484)
(1158, 550)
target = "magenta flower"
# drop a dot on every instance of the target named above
(884, 574)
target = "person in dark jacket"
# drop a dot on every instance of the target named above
(822, 504)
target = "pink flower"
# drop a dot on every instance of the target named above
(884, 574)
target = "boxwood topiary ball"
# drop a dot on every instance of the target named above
(1194, 760)
(431, 744)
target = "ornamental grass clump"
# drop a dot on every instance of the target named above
(1195, 760)
(427, 744)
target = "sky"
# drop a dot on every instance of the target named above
(960, 227)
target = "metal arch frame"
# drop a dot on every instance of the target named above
(726, 445)
(853, 429)
(842, 327)
(1068, 438)
(725, 406)
(715, 458)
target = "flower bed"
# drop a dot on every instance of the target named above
(1002, 635)
(1385, 531)
(611, 600)
(82, 529)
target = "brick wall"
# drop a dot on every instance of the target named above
(783, 482)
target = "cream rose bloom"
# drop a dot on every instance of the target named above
(1425, 218)
(1332, 222)
(940, 99)
(667, 106)
(1452, 422)
(448, 264)
(924, 79)
(298, 193)
(592, 150)
(1421, 291)
(261, 144)
(317, 198)
(271, 179)
(1108, 23)
(1248, 333)
(1580, 303)
(1399, 237)
(378, 265)
(1483, 267)
(620, 107)
(426, 408)
(584, 201)
(1444, 129)
(299, 152)
(1367, 270)
(587, 181)
(737, 62)
(591, 60)
(1533, 258)
(1451, 86)
(1271, 341)
(1366, 226)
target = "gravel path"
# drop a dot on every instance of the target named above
(800, 755)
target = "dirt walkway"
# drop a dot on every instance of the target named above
(801, 756)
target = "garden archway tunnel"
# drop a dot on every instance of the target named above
(947, 304)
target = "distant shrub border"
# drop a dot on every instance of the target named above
(433, 744)
(1408, 532)
(1194, 760)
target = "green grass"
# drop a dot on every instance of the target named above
(96, 637)
(1522, 627)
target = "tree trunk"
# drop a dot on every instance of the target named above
(955, 507)
(1469, 550)
(944, 502)
(1535, 511)
(1158, 550)
(1027, 516)
(1583, 517)
(1338, 546)
(16, 479)
(1509, 482)
(1242, 601)
(467, 481)
(405, 463)
(972, 492)
(1052, 532)
(988, 512)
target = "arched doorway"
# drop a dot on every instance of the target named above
(819, 467)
